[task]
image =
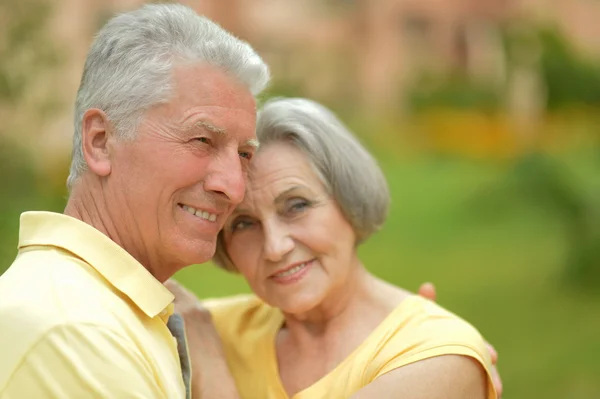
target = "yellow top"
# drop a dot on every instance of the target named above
(417, 329)
(81, 318)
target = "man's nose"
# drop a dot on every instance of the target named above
(226, 177)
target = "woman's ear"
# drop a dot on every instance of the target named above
(96, 131)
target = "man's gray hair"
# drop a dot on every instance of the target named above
(129, 66)
(348, 171)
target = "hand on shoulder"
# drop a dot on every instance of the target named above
(427, 290)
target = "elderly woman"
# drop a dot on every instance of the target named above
(319, 325)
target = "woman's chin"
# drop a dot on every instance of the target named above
(296, 306)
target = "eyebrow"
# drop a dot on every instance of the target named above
(210, 127)
(218, 130)
(252, 143)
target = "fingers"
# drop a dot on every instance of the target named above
(172, 285)
(493, 353)
(176, 288)
(427, 290)
(496, 380)
(182, 295)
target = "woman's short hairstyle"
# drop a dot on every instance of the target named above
(348, 171)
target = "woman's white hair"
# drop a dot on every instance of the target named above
(128, 68)
(348, 171)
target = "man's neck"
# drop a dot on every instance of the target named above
(88, 203)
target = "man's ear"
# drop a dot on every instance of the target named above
(96, 132)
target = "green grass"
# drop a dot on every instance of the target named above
(501, 269)
(497, 259)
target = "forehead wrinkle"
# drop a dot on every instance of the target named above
(221, 131)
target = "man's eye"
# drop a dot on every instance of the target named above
(204, 140)
(246, 155)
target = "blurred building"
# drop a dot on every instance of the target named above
(364, 51)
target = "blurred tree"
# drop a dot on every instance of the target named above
(569, 77)
(20, 191)
(26, 51)
(452, 92)
(280, 88)
(570, 81)
(547, 183)
(27, 55)
(539, 181)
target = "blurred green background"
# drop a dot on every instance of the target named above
(494, 177)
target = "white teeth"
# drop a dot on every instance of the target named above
(291, 271)
(190, 210)
(201, 214)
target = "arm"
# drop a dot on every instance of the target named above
(76, 361)
(427, 290)
(211, 378)
(441, 377)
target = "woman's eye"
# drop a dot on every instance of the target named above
(240, 225)
(298, 205)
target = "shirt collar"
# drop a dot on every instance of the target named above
(115, 264)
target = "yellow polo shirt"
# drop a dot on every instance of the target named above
(81, 318)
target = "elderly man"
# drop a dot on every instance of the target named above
(164, 131)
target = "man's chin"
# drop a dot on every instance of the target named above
(200, 253)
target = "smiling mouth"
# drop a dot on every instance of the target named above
(211, 217)
(292, 270)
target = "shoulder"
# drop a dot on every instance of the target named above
(35, 292)
(455, 377)
(248, 307)
(105, 361)
(87, 345)
(420, 333)
(238, 315)
(65, 341)
(420, 329)
(48, 288)
(418, 319)
(226, 306)
(49, 271)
